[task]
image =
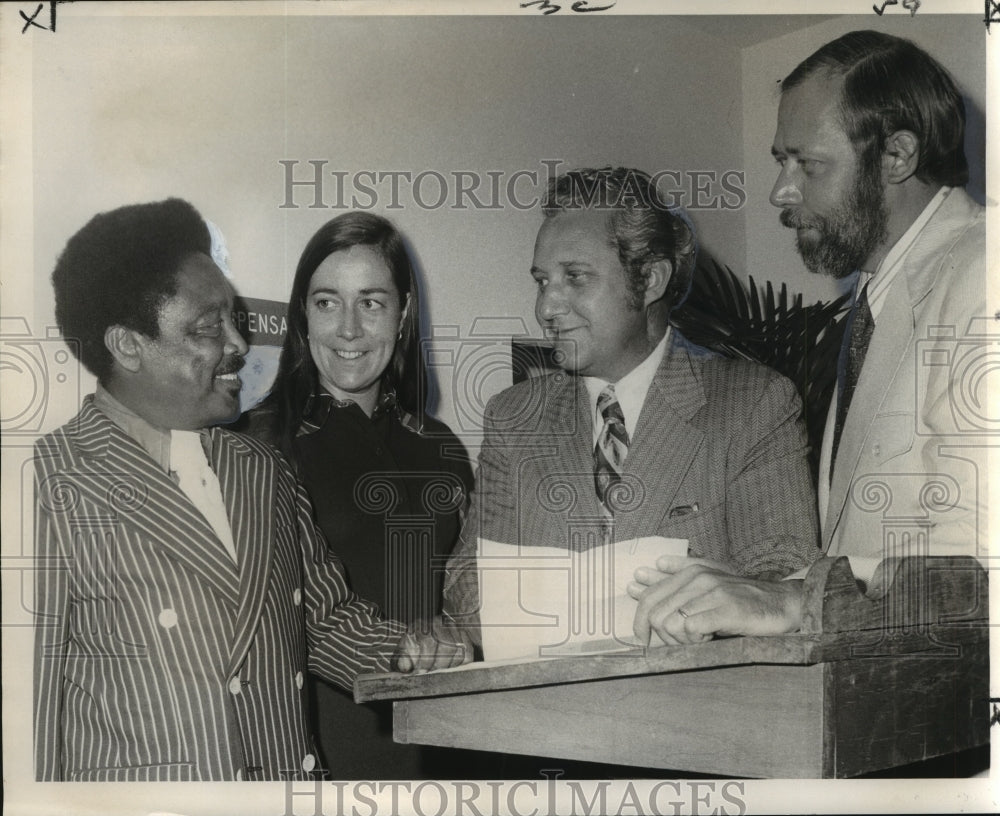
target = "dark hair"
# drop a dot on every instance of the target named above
(890, 84)
(642, 228)
(118, 269)
(297, 379)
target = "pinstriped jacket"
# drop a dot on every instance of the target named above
(156, 657)
(718, 457)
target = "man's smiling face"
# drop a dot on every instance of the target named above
(584, 302)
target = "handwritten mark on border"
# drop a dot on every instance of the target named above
(32, 21)
(909, 5)
(546, 8)
(992, 14)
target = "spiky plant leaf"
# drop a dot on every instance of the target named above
(754, 323)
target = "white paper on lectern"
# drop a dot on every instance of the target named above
(538, 602)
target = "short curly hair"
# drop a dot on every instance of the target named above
(642, 227)
(118, 269)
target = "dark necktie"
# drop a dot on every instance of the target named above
(611, 448)
(852, 358)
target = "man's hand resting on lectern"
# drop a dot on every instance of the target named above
(688, 600)
(439, 646)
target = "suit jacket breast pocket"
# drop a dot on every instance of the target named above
(890, 436)
(703, 525)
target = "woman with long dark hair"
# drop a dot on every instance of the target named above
(387, 481)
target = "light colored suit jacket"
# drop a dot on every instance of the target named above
(910, 473)
(718, 457)
(156, 658)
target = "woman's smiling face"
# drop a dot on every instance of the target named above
(354, 315)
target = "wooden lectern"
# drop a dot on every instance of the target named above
(874, 680)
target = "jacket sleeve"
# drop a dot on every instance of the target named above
(51, 610)
(492, 514)
(346, 635)
(952, 413)
(770, 502)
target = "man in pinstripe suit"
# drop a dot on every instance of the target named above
(716, 449)
(176, 619)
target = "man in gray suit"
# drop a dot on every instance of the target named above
(870, 142)
(182, 587)
(643, 433)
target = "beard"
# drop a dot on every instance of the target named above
(848, 235)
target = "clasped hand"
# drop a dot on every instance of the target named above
(689, 600)
(439, 646)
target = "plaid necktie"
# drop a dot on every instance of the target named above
(852, 358)
(611, 448)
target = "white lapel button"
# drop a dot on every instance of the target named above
(167, 618)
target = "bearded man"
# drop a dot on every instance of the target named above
(869, 143)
